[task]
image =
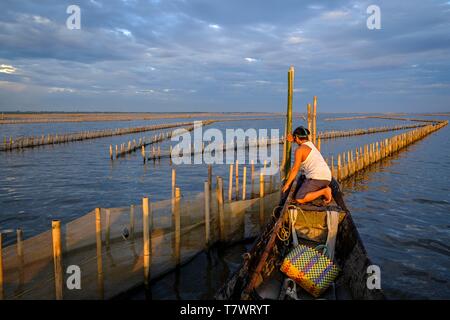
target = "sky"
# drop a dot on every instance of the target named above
(224, 55)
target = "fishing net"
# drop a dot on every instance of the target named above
(109, 253)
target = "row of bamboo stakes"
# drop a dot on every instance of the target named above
(36, 141)
(356, 132)
(352, 161)
(156, 153)
(12, 143)
(348, 163)
(380, 117)
(132, 146)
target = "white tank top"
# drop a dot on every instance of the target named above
(315, 166)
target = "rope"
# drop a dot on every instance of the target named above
(324, 249)
(285, 232)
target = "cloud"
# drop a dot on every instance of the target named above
(61, 90)
(41, 20)
(125, 32)
(145, 91)
(333, 15)
(4, 68)
(12, 86)
(434, 86)
(230, 53)
(214, 26)
(295, 40)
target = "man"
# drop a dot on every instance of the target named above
(318, 175)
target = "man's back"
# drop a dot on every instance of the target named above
(313, 164)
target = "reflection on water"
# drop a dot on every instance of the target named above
(187, 283)
(400, 206)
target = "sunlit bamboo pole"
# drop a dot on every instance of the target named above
(252, 178)
(314, 124)
(230, 184)
(288, 155)
(177, 227)
(57, 259)
(219, 196)
(146, 241)
(132, 222)
(261, 199)
(237, 180)
(210, 176)
(98, 232)
(20, 255)
(308, 108)
(244, 182)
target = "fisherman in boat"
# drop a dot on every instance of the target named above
(316, 170)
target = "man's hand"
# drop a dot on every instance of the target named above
(285, 188)
(290, 138)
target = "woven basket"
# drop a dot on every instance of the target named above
(311, 269)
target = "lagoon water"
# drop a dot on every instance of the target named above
(401, 206)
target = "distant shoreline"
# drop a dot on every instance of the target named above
(59, 117)
(30, 117)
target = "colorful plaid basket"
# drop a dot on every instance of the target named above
(312, 270)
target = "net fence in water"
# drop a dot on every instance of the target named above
(106, 245)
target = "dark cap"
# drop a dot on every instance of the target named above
(301, 132)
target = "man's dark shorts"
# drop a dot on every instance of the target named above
(311, 185)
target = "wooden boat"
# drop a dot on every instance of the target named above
(259, 277)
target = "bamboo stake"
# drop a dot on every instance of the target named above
(132, 221)
(230, 184)
(237, 180)
(174, 181)
(339, 169)
(57, 260)
(177, 227)
(210, 176)
(244, 182)
(252, 174)
(20, 255)
(261, 200)
(314, 120)
(219, 192)
(98, 233)
(146, 241)
(308, 107)
(333, 174)
(108, 228)
(288, 156)
(207, 213)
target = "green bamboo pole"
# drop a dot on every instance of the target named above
(288, 154)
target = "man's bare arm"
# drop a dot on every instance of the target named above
(294, 170)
